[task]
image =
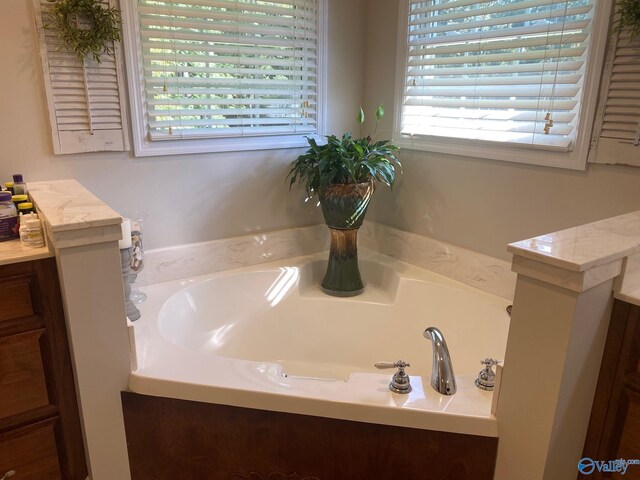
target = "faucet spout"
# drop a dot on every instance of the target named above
(442, 378)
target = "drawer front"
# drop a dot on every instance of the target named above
(31, 452)
(22, 375)
(19, 303)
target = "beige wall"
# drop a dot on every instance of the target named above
(189, 198)
(474, 203)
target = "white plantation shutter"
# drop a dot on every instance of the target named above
(228, 68)
(617, 130)
(497, 71)
(86, 110)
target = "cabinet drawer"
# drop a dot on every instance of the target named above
(19, 302)
(22, 376)
(30, 451)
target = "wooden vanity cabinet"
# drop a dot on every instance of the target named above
(614, 427)
(40, 433)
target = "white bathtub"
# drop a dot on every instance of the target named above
(266, 337)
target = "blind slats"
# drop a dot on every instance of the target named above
(456, 13)
(230, 122)
(280, 72)
(501, 70)
(522, 115)
(493, 69)
(226, 56)
(266, 27)
(511, 104)
(616, 137)
(621, 115)
(248, 131)
(483, 24)
(533, 81)
(210, 84)
(180, 38)
(248, 96)
(247, 17)
(275, 8)
(244, 112)
(224, 101)
(513, 57)
(495, 91)
(485, 45)
(217, 68)
(481, 33)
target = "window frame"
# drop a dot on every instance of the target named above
(575, 159)
(143, 146)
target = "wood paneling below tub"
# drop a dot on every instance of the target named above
(169, 438)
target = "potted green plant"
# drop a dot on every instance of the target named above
(343, 174)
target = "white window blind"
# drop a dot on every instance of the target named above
(507, 71)
(228, 68)
(83, 97)
(617, 129)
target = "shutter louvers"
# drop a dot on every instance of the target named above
(616, 138)
(228, 68)
(86, 111)
(496, 71)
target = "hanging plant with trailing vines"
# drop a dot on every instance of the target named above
(629, 20)
(86, 26)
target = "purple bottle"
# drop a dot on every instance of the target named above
(8, 218)
(19, 187)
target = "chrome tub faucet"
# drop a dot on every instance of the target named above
(442, 378)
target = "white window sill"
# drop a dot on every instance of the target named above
(146, 148)
(573, 160)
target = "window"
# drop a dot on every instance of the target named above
(504, 79)
(222, 75)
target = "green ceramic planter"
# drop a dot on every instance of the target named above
(344, 207)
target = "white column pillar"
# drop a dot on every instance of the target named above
(560, 319)
(84, 233)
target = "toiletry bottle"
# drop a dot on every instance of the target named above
(8, 218)
(35, 236)
(9, 186)
(18, 199)
(22, 222)
(19, 187)
(25, 208)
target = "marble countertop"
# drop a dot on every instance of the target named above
(67, 205)
(629, 291)
(12, 251)
(584, 247)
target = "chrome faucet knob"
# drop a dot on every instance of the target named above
(399, 364)
(487, 378)
(400, 382)
(490, 362)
